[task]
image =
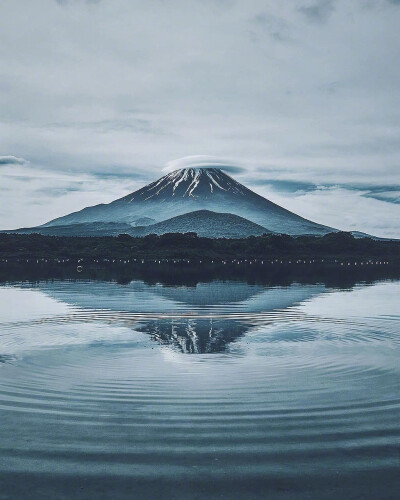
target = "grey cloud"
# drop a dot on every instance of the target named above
(329, 88)
(318, 12)
(12, 160)
(389, 196)
(233, 169)
(288, 186)
(120, 175)
(276, 27)
(389, 193)
(67, 2)
(20, 178)
(379, 144)
(369, 187)
(59, 191)
(139, 125)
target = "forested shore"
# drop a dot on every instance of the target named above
(333, 247)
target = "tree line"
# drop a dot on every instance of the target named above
(189, 245)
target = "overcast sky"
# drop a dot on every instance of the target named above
(298, 99)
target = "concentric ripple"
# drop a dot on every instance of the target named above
(285, 392)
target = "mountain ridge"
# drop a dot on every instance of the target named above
(205, 224)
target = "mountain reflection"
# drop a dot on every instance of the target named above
(194, 318)
(205, 318)
(195, 336)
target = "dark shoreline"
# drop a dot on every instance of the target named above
(333, 247)
(338, 259)
(190, 274)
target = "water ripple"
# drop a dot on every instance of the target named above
(268, 391)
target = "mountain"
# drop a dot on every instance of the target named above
(190, 190)
(205, 223)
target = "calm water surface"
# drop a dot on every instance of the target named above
(219, 390)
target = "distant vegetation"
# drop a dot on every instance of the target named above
(189, 246)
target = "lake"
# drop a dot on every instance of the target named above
(217, 388)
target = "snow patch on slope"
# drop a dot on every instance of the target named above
(192, 179)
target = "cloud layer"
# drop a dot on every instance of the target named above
(12, 160)
(302, 91)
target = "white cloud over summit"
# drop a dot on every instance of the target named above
(203, 161)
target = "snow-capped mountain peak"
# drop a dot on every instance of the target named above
(189, 182)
